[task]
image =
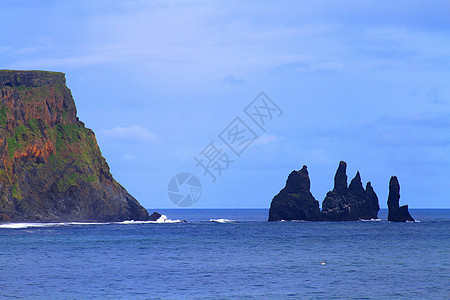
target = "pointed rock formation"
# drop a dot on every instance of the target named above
(350, 203)
(372, 204)
(51, 168)
(396, 213)
(295, 201)
(340, 179)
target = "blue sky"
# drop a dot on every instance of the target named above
(362, 81)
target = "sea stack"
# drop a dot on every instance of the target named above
(350, 203)
(295, 201)
(396, 212)
(51, 168)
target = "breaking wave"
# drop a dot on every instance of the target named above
(162, 219)
(222, 220)
(32, 225)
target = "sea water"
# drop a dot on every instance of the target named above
(222, 254)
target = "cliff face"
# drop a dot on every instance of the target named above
(349, 203)
(295, 201)
(51, 168)
(396, 212)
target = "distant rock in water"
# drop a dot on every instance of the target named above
(340, 179)
(295, 201)
(51, 168)
(396, 212)
(350, 203)
(154, 216)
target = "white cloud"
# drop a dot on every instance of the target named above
(134, 133)
(232, 80)
(129, 157)
(188, 37)
(49, 63)
(265, 139)
(4, 49)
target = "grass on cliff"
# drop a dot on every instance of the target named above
(76, 151)
(40, 93)
(23, 135)
(3, 115)
(73, 180)
(21, 138)
(17, 192)
(76, 157)
(36, 99)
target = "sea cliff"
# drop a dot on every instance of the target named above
(51, 168)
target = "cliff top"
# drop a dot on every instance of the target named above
(13, 78)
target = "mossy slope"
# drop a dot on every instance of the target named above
(51, 168)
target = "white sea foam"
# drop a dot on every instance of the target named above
(26, 225)
(221, 220)
(85, 223)
(33, 225)
(371, 220)
(162, 219)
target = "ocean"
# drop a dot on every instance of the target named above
(228, 254)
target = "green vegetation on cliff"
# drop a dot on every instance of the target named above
(51, 167)
(3, 117)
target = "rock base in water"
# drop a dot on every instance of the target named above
(350, 203)
(154, 216)
(396, 212)
(295, 201)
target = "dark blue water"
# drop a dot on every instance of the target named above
(249, 258)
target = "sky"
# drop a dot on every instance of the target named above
(367, 82)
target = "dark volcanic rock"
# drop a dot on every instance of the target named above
(349, 203)
(340, 179)
(372, 204)
(355, 187)
(51, 168)
(154, 216)
(295, 201)
(396, 213)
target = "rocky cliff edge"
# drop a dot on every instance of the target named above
(51, 168)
